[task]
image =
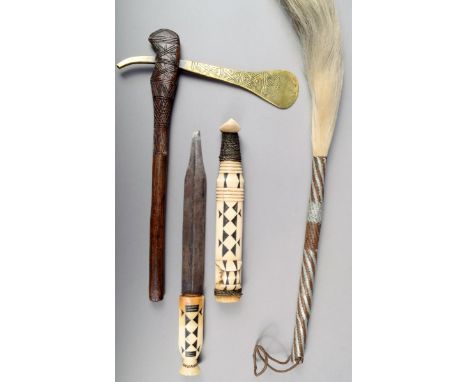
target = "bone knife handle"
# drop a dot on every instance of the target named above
(191, 312)
(163, 85)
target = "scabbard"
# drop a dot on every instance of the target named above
(229, 219)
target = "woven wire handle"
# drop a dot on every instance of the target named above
(309, 259)
(306, 281)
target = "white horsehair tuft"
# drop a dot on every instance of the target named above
(317, 26)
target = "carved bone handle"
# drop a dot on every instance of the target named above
(191, 311)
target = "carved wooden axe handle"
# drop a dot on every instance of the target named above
(163, 85)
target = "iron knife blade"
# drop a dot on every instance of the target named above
(193, 248)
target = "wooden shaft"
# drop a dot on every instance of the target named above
(163, 86)
(191, 312)
(229, 226)
(157, 231)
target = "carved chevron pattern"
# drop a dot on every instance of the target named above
(191, 315)
(229, 228)
(164, 84)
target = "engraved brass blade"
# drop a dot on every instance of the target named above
(278, 87)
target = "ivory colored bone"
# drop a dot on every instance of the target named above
(229, 216)
(190, 333)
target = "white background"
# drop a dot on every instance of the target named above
(409, 205)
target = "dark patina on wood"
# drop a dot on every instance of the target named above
(163, 85)
(193, 236)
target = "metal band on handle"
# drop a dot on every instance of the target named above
(306, 282)
(309, 259)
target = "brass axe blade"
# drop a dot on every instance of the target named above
(278, 87)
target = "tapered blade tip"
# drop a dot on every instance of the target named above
(193, 242)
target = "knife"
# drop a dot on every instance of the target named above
(191, 301)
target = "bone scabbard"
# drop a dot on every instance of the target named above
(229, 217)
(191, 301)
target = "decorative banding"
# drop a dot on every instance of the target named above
(230, 167)
(189, 366)
(229, 199)
(315, 212)
(224, 292)
(228, 288)
(229, 193)
(230, 163)
(231, 288)
(221, 190)
(230, 170)
(229, 189)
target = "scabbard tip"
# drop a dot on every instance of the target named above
(230, 126)
(227, 299)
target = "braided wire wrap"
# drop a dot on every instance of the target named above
(309, 259)
(306, 281)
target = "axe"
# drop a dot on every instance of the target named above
(278, 87)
